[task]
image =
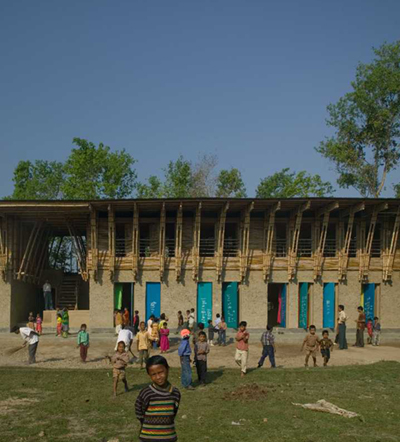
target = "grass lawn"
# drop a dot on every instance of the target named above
(77, 405)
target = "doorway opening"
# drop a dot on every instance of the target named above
(123, 297)
(277, 304)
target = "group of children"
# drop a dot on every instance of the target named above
(35, 323)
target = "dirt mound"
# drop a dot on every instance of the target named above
(251, 392)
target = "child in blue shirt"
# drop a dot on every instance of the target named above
(184, 351)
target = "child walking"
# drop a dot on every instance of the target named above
(39, 324)
(311, 345)
(164, 340)
(201, 350)
(269, 350)
(180, 322)
(184, 352)
(326, 346)
(143, 344)
(120, 361)
(83, 342)
(157, 405)
(59, 325)
(376, 332)
(242, 348)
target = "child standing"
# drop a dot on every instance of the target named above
(242, 348)
(210, 333)
(222, 332)
(201, 350)
(143, 344)
(311, 344)
(31, 321)
(184, 351)
(65, 322)
(136, 322)
(157, 405)
(120, 360)
(39, 324)
(180, 322)
(376, 332)
(154, 335)
(59, 325)
(326, 346)
(370, 330)
(83, 342)
(164, 340)
(269, 350)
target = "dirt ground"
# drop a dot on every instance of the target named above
(57, 352)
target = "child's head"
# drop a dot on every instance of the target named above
(121, 347)
(15, 329)
(270, 328)
(360, 309)
(136, 312)
(222, 319)
(209, 322)
(325, 334)
(312, 329)
(242, 326)
(370, 320)
(200, 325)
(188, 312)
(142, 326)
(165, 325)
(162, 316)
(202, 337)
(30, 313)
(376, 318)
(157, 368)
(192, 310)
(179, 312)
(59, 316)
(185, 333)
(83, 327)
(341, 307)
(38, 315)
(218, 315)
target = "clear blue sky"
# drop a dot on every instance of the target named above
(247, 80)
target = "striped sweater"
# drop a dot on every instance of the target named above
(156, 409)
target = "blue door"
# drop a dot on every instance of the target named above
(329, 305)
(204, 302)
(303, 305)
(230, 303)
(153, 299)
(282, 306)
(369, 301)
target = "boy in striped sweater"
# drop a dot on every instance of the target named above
(157, 404)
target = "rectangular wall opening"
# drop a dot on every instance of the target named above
(277, 304)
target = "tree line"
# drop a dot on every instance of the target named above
(364, 150)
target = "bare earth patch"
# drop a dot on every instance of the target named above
(252, 392)
(10, 405)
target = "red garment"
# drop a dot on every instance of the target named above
(370, 329)
(164, 341)
(59, 327)
(83, 352)
(126, 317)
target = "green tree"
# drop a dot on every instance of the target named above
(96, 172)
(230, 184)
(40, 180)
(365, 146)
(153, 189)
(178, 179)
(397, 190)
(286, 184)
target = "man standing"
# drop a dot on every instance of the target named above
(360, 327)
(242, 348)
(342, 318)
(48, 299)
(30, 337)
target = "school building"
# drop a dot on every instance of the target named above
(288, 262)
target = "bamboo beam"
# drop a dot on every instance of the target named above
(27, 253)
(294, 235)
(178, 242)
(78, 250)
(268, 242)
(42, 256)
(344, 250)
(245, 243)
(135, 243)
(196, 244)
(30, 270)
(321, 235)
(388, 260)
(221, 239)
(161, 243)
(365, 251)
(111, 242)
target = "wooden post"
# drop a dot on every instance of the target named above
(245, 243)
(135, 243)
(294, 235)
(221, 239)
(94, 241)
(320, 236)
(79, 250)
(196, 244)
(366, 244)
(161, 243)
(178, 242)
(27, 251)
(388, 260)
(111, 242)
(268, 242)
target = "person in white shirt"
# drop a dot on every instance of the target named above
(217, 321)
(191, 319)
(125, 336)
(342, 318)
(48, 299)
(30, 337)
(150, 323)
